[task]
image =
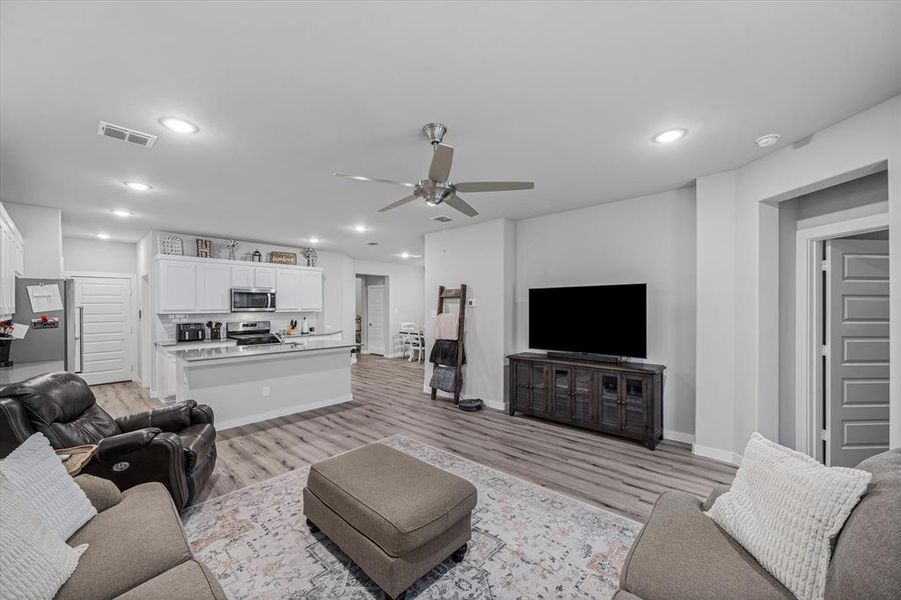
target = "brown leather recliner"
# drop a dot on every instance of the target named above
(174, 445)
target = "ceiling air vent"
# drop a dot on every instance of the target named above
(372, 243)
(126, 135)
(442, 219)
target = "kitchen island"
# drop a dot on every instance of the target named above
(248, 384)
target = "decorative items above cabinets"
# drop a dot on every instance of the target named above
(204, 248)
(257, 256)
(311, 255)
(282, 258)
(232, 247)
(171, 245)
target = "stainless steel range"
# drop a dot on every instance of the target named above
(250, 333)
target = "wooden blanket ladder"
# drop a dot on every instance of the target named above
(449, 294)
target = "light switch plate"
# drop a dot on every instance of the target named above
(471, 302)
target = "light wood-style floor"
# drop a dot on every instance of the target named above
(615, 474)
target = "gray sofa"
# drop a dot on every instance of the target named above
(681, 554)
(137, 549)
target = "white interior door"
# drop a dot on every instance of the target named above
(106, 328)
(375, 319)
(857, 361)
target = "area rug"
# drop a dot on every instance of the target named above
(527, 542)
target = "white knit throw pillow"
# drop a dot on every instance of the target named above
(34, 562)
(38, 477)
(785, 508)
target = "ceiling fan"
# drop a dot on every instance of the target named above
(436, 189)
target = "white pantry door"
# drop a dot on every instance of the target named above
(107, 327)
(375, 315)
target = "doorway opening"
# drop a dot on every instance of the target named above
(372, 302)
(839, 395)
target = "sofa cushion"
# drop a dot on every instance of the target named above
(681, 554)
(867, 553)
(786, 509)
(102, 493)
(188, 581)
(198, 441)
(129, 543)
(397, 501)
(39, 478)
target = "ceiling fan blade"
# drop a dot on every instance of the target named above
(441, 162)
(361, 178)
(398, 203)
(493, 186)
(461, 205)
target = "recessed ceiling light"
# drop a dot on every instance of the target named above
(122, 213)
(770, 139)
(360, 228)
(670, 135)
(137, 186)
(314, 240)
(178, 125)
(104, 236)
(405, 255)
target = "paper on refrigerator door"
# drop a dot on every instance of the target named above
(44, 298)
(19, 330)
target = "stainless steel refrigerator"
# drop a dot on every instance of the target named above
(57, 344)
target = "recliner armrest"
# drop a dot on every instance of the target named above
(124, 443)
(202, 413)
(137, 457)
(172, 418)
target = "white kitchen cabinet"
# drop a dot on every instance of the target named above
(177, 286)
(12, 252)
(311, 291)
(242, 277)
(213, 287)
(287, 290)
(203, 285)
(264, 277)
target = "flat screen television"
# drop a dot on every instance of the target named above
(598, 319)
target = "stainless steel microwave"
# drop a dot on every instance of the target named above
(253, 300)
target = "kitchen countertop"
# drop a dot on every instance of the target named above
(223, 341)
(201, 354)
(22, 371)
(317, 333)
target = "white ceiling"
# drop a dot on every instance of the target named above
(285, 94)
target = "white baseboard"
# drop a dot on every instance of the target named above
(678, 436)
(282, 412)
(716, 454)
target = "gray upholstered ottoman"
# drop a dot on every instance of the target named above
(395, 516)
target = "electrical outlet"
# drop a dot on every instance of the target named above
(471, 302)
(266, 391)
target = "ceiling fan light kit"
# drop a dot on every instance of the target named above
(437, 188)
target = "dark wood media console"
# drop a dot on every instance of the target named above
(619, 399)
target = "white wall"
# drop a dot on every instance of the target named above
(738, 223)
(404, 297)
(80, 254)
(650, 240)
(481, 256)
(42, 234)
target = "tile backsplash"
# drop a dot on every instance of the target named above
(165, 324)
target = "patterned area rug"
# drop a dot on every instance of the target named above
(527, 542)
